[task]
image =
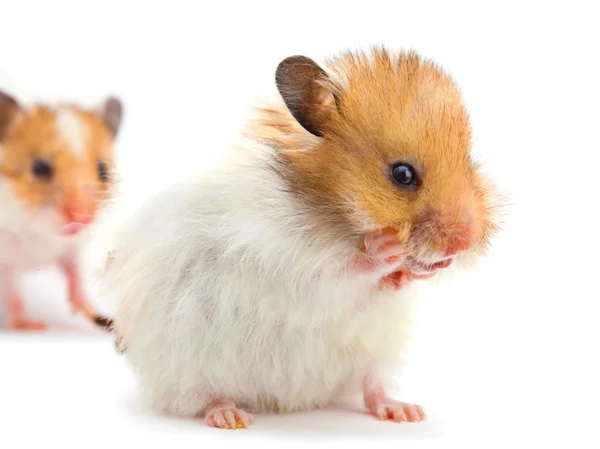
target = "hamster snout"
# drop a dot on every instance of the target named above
(78, 208)
(440, 234)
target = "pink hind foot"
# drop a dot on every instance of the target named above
(23, 324)
(397, 411)
(387, 409)
(223, 414)
(18, 318)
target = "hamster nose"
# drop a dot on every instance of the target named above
(461, 240)
(80, 210)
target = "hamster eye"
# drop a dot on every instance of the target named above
(404, 175)
(103, 171)
(42, 169)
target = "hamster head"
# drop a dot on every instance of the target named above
(58, 160)
(380, 140)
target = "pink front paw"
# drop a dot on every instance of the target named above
(384, 246)
(400, 278)
(379, 249)
(395, 281)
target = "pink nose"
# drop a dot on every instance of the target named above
(459, 242)
(80, 210)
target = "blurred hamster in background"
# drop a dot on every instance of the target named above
(287, 275)
(55, 171)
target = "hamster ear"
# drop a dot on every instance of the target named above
(111, 113)
(8, 108)
(300, 83)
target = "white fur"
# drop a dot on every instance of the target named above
(225, 288)
(29, 236)
(72, 129)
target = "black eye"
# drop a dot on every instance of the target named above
(404, 175)
(103, 171)
(42, 169)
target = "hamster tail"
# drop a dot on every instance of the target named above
(108, 325)
(104, 322)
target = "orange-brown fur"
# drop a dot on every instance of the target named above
(390, 108)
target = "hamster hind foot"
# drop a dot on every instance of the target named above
(16, 311)
(386, 409)
(223, 414)
(18, 321)
(390, 410)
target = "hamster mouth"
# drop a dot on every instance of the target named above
(71, 229)
(418, 267)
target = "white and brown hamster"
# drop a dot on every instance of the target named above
(55, 172)
(287, 275)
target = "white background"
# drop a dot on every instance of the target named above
(506, 354)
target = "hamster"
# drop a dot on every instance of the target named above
(288, 274)
(55, 172)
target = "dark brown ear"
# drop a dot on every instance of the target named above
(8, 108)
(111, 113)
(309, 100)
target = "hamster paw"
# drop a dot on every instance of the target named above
(225, 415)
(25, 324)
(386, 409)
(394, 281)
(397, 411)
(384, 245)
(379, 248)
(18, 317)
(399, 279)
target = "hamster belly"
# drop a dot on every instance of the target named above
(261, 346)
